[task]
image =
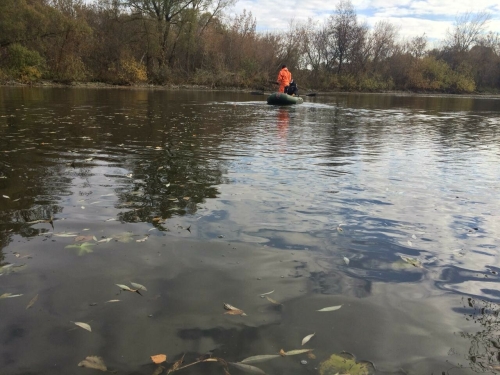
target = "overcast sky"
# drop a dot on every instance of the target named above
(413, 17)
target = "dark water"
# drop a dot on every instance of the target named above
(386, 205)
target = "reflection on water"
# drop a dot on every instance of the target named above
(383, 204)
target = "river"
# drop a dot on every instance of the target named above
(384, 208)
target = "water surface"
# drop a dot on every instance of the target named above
(384, 204)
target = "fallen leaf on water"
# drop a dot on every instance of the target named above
(265, 294)
(123, 237)
(32, 302)
(93, 362)
(346, 260)
(331, 308)
(307, 338)
(159, 358)
(105, 240)
(112, 300)
(10, 295)
(233, 310)
(294, 352)
(65, 234)
(84, 238)
(6, 196)
(83, 248)
(260, 358)
(138, 286)
(311, 355)
(414, 262)
(273, 301)
(247, 368)
(176, 365)
(345, 363)
(142, 239)
(84, 326)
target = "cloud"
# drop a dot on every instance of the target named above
(414, 17)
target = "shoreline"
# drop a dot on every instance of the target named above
(49, 84)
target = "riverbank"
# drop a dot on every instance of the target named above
(254, 91)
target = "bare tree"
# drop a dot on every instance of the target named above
(416, 46)
(342, 28)
(467, 29)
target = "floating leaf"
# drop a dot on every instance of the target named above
(10, 295)
(83, 248)
(414, 262)
(273, 301)
(6, 196)
(123, 237)
(138, 286)
(346, 260)
(65, 234)
(260, 358)
(294, 352)
(236, 312)
(247, 368)
(84, 238)
(159, 358)
(93, 362)
(345, 363)
(331, 308)
(176, 365)
(311, 355)
(233, 310)
(265, 294)
(113, 300)
(32, 302)
(84, 326)
(307, 338)
(142, 239)
(127, 288)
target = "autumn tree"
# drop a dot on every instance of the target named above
(343, 32)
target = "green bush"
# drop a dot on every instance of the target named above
(70, 69)
(24, 64)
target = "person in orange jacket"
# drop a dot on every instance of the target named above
(284, 78)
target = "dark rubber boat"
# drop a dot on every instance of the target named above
(279, 98)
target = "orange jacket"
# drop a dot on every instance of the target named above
(284, 77)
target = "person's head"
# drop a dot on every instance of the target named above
(283, 66)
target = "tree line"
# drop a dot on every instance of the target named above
(160, 42)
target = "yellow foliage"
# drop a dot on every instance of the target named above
(131, 71)
(29, 74)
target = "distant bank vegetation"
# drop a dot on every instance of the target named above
(193, 42)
